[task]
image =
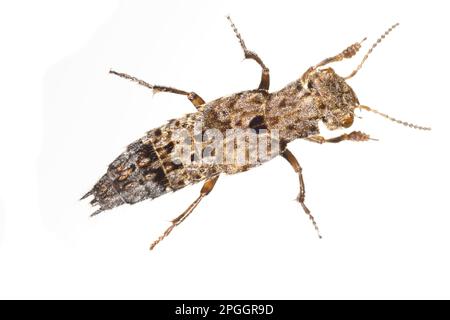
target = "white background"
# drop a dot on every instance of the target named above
(382, 206)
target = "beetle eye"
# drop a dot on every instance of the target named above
(347, 120)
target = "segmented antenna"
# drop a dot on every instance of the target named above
(370, 51)
(407, 124)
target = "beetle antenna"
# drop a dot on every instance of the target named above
(370, 51)
(407, 124)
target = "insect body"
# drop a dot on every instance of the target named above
(151, 166)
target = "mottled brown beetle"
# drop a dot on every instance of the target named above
(146, 169)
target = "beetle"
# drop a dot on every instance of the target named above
(151, 166)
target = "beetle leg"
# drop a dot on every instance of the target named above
(206, 189)
(301, 197)
(195, 99)
(352, 136)
(265, 76)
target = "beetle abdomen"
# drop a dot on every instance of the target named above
(148, 168)
(135, 175)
